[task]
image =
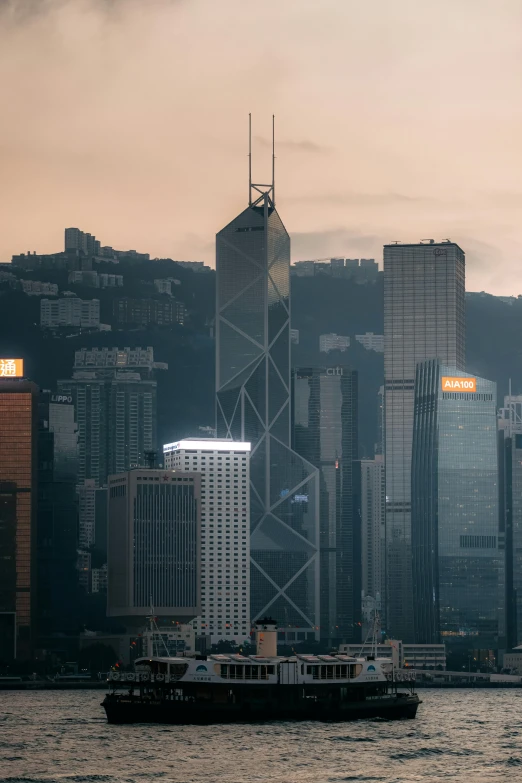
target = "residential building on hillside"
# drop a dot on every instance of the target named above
(70, 311)
(39, 288)
(371, 341)
(144, 312)
(333, 342)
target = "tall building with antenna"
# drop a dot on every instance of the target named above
(253, 405)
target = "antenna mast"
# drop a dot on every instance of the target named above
(250, 160)
(273, 160)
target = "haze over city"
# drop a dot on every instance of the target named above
(394, 121)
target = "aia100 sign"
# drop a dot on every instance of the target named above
(459, 384)
(11, 368)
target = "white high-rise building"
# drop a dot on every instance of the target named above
(224, 466)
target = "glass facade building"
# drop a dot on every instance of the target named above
(253, 405)
(18, 506)
(325, 413)
(154, 545)
(458, 555)
(424, 318)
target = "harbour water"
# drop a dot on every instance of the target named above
(462, 736)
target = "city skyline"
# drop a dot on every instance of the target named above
(349, 186)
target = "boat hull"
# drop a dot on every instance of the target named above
(121, 709)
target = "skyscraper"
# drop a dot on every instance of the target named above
(225, 532)
(326, 433)
(57, 526)
(18, 508)
(424, 318)
(372, 509)
(114, 394)
(458, 557)
(154, 545)
(253, 405)
(510, 485)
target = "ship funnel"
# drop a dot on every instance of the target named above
(266, 637)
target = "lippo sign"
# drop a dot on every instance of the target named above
(459, 384)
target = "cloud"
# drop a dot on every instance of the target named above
(364, 199)
(334, 242)
(294, 146)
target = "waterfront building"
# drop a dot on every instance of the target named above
(154, 546)
(416, 656)
(18, 511)
(457, 551)
(325, 414)
(225, 532)
(424, 318)
(253, 405)
(510, 484)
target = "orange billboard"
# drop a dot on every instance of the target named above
(11, 368)
(459, 384)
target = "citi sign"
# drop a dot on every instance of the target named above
(459, 384)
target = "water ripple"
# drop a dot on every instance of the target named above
(459, 735)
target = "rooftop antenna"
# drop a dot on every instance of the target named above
(250, 160)
(273, 159)
(265, 191)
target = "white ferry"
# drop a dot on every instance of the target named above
(262, 687)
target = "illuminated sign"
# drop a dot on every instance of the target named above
(459, 384)
(11, 368)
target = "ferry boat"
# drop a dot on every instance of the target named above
(257, 688)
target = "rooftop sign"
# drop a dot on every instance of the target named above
(459, 384)
(11, 368)
(207, 444)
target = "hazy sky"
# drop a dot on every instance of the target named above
(396, 120)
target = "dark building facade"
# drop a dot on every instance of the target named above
(424, 318)
(154, 545)
(57, 528)
(253, 405)
(18, 508)
(325, 413)
(458, 552)
(143, 312)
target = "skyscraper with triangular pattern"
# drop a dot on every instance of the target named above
(253, 404)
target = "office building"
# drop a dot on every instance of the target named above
(372, 495)
(424, 318)
(333, 342)
(458, 569)
(114, 394)
(325, 413)
(510, 487)
(70, 311)
(57, 523)
(18, 509)
(225, 532)
(253, 405)
(154, 549)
